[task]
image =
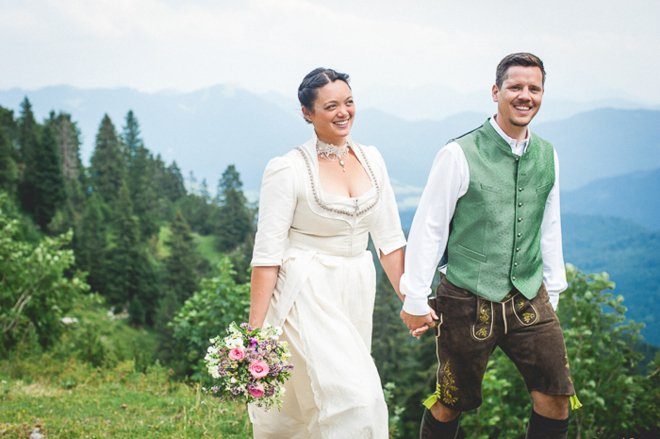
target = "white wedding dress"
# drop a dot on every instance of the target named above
(324, 296)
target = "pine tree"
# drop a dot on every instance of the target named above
(8, 153)
(42, 185)
(141, 178)
(67, 140)
(131, 135)
(108, 165)
(131, 281)
(234, 223)
(180, 280)
(45, 176)
(90, 242)
(28, 133)
(172, 184)
(182, 265)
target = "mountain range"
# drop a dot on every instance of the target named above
(208, 129)
(631, 196)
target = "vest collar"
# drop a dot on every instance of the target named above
(516, 145)
(491, 128)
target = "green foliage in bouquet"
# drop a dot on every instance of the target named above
(219, 301)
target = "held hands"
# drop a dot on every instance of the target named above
(417, 325)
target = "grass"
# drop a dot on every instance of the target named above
(74, 400)
(206, 247)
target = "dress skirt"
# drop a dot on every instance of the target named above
(324, 304)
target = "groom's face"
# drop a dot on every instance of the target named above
(519, 97)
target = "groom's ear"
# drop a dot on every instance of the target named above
(494, 92)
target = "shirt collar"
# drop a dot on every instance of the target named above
(517, 146)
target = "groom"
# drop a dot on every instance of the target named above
(492, 204)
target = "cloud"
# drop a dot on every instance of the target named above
(270, 44)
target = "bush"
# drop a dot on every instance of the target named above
(35, 291)
(207, 313)
(97, 336)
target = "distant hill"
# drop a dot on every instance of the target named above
(410, 147)
(208, 129)
(628, 252)
(633, 196)
(604, 143)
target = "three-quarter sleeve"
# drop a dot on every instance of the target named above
(386, 231)
(277, 203)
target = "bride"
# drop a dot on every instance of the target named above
(313, 276)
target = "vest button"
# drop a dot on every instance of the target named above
(519, 204)
(519, 219)
(513, 278)
(517, 249)
(520, 189)
(519, 234)
(515, 264)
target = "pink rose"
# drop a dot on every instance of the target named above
(258, 369)
(237, 354)
(256, 390)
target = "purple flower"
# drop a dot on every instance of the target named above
(256, 390)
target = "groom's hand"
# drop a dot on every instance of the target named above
(418, 324)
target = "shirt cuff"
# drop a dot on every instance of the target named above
(265, 262)
(416, 306)
(553, 297)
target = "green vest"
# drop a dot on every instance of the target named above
(495, 236)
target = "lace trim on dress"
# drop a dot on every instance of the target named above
(319, 201)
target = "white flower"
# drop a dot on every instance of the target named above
(69, 320)
(234, 342)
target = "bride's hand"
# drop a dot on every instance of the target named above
(428, 325)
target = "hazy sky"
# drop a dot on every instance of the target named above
(593, 49)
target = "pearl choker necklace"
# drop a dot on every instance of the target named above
(329, 151)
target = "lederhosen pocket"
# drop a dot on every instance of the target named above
(433, 303)
(524, 310)
(482, 328)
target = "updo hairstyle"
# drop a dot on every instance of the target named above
(317, 78)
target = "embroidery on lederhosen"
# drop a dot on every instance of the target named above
(482, 328)
(524, 310)
(447, 386)
(444, 388)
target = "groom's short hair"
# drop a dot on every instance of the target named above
(524, 59)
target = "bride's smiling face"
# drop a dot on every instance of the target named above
(332, 113)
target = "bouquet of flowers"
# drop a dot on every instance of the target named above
(249, 364)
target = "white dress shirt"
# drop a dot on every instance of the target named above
(448, 181)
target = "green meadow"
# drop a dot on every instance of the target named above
(74, 400)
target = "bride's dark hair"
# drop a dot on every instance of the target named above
(317, 78)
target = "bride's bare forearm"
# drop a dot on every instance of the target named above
(262, 285)
(393, 265)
